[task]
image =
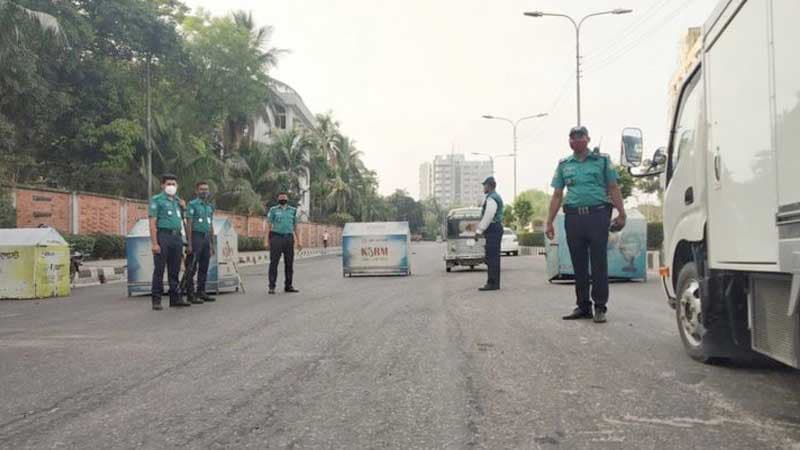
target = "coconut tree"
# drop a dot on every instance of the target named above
(326, 138)
(290, 150)
(14, 17)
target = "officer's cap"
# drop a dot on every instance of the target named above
(490, 181)
(578, 131)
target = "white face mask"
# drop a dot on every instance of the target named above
(171, 190)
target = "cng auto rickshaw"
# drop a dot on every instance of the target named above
(462, 248)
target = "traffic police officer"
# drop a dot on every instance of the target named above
(165, 236)
(200, 235)
(491, 226)
(590, 179)
(282, 233)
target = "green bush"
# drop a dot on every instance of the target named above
(655, 235)
(81, 243)
(8, 214)
(251, 244)
(108, 246)
(535, 239)
(339, 219)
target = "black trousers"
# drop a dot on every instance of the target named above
(201, 254)
(281, 245)
(169, 258)
(494, 236)
(587, 237)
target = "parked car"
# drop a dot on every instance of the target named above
(510, 244)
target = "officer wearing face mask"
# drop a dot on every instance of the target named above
(282, 233)
(165, 235)
(200, 236)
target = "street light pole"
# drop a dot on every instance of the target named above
(514, 125)
(577, 25)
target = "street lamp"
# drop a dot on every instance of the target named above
(514, 125)
(577, 24)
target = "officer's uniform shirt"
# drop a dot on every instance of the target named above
(586, 181)
(201, 215)
(492, 211)
(166, 211)
(283, 220)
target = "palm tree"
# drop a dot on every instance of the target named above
(290, 150)
(13, 16)
(326, 138)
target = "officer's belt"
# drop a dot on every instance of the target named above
(282, 234)
(168, 231)
(584, 210)
(199, 233)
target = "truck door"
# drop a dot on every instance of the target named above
(741, 159)
(683, 197)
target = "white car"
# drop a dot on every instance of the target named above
(510, 243)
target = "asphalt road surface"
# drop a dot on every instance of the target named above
(424, 361)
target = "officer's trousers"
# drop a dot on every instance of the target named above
(494, 237)
(587, 235)
(170, 258)
(281, 245)
(201, 252)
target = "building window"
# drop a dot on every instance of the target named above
(280, 117)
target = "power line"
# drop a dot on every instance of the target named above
(642, 38)
(622, 36)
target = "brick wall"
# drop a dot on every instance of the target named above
(98, 214)
(112, 215)
(51, 208)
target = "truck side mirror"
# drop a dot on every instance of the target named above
(631, 147)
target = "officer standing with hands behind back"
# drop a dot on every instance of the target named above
(165, 236)
(282, 233)
(200, 235)
(590, 180)
(491, 226)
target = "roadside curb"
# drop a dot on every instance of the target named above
(94, 276)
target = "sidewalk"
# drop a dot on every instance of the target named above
(115, 270)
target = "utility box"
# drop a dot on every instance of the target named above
(376, 248)
(34, 263)
(222, 268)
(627, 251)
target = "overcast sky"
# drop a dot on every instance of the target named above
(409, 80)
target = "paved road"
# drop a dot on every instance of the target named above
(418, 362)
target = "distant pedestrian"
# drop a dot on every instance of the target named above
(282, 235)
(590, 179)
(491, 226)
(325, 237)
(200, 235)
(165, 235)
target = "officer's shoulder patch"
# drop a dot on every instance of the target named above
(565, 159)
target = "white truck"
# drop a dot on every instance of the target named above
(731, 180)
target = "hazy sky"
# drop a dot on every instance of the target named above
(411, 79)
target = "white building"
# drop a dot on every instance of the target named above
(457, 182)
(425, 181)
(285, 111)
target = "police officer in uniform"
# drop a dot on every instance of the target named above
(491, 227)
(200, 235)
(165, 235)
(282, 233)
(590, 180)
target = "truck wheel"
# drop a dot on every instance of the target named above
(688, 313)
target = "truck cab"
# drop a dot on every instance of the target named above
(731, 181)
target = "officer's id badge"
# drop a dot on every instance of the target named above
(169, 213)
(178, 213)
(200, 220)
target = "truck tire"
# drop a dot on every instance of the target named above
(688, 313)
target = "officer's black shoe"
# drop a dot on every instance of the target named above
(271, 291)
(599, 317)
(579, 314)
(206, 297)
(196, 300)
(489, 287)
(179, 304)
(291, 290)
(157, 307)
